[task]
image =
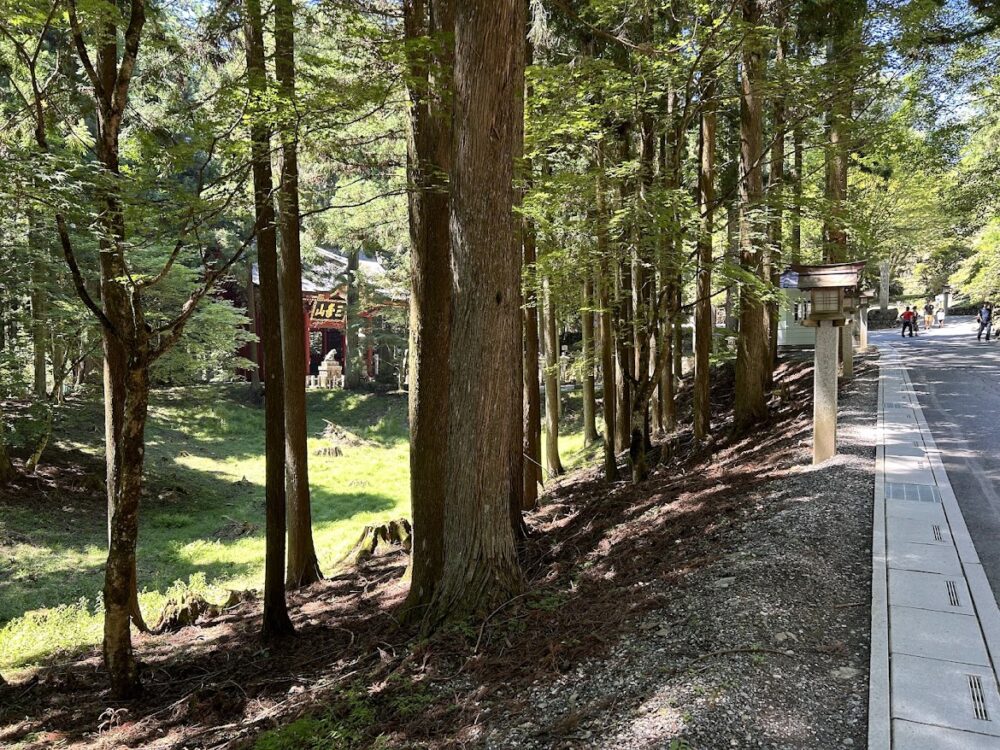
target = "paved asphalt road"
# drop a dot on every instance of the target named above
(957, 380)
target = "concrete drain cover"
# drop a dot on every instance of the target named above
(953, 599)
(923, 493)
(978, 697)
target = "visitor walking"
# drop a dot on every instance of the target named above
(985, 320)
(908, 319)
(929, 315)
(940, 317)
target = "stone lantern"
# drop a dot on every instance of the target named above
(865, 299)
(828, 286)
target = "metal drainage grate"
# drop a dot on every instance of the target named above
(936, 530)
(923, 493)
(978, 697)
(953, 599)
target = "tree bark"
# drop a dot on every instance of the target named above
(126, 383)
(589, 397)
(776, 181)
(276, 622)
(429, 167)
(254, 345)
(303, 567)
(752, 358)
(704, 325)
(553, 464)
(609, 393)
(532, 391)
(795, 252)
(39, 310)
(481, 569)
(354, 362)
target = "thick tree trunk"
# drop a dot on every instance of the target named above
(753, 362)
(303, 567)
(704, 324)
(837, 116)
(276, 622)
(429, 167)
(553, 464)
(589, 397)
(481, 569)
(843, 47)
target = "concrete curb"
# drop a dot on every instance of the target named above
(878, 670)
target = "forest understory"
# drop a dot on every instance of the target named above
(723, 603)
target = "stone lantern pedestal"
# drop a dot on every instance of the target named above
(828, 285)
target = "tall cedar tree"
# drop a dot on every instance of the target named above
(481, 569)
(429, 28)
(753, 363)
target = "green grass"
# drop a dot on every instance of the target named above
(205, 477)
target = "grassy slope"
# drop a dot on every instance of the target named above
(205, 479)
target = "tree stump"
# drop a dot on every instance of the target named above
(183, 613)
(397, 533)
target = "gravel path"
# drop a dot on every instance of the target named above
(767, 647)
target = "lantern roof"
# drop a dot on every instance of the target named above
(826, 276)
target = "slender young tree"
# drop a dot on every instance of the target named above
(255, 358)
(107, 39)
(303, 567)
(704, 324)
(553, 463)
(532, 391)
(589, 389)
(609, 388)
(276, 622)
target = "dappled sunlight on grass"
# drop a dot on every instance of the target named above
(202, 514)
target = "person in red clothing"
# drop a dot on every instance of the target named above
(908, 318)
